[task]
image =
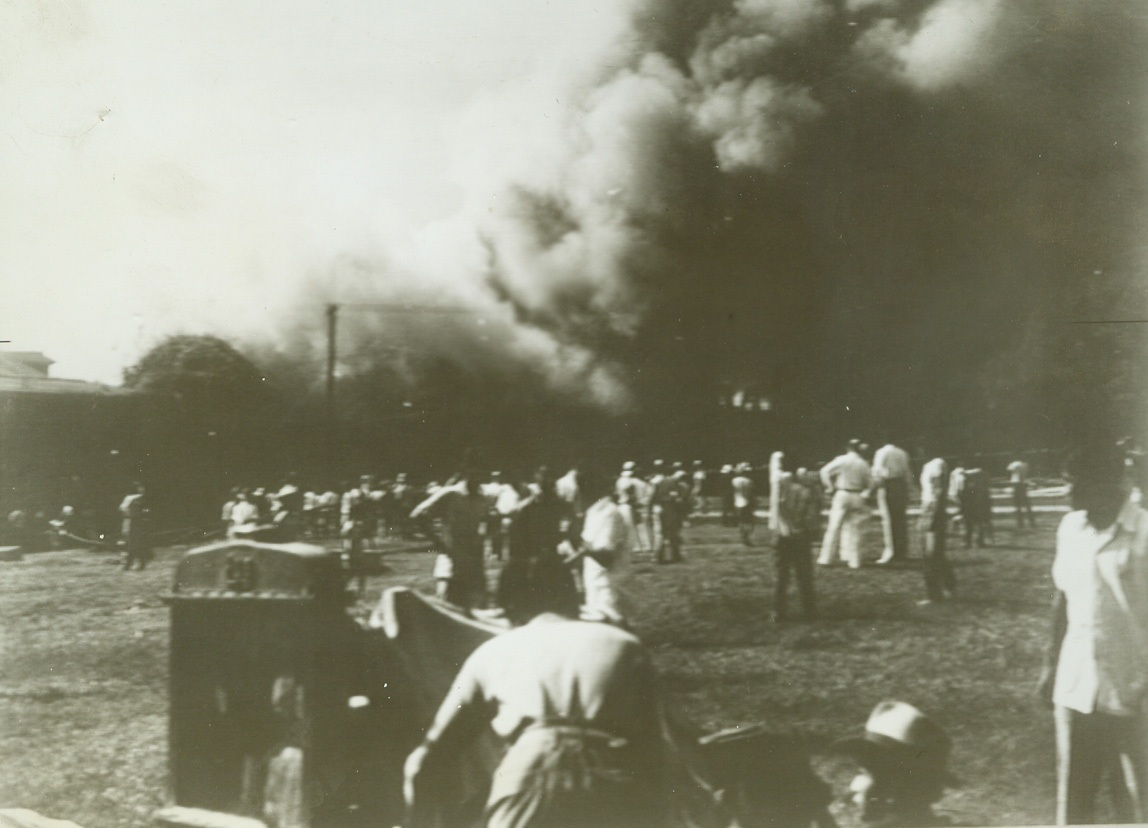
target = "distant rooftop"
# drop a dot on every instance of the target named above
(26, 372)
(24, 364)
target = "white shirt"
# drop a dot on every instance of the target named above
(244, 512)
(552, 671)
(566, 486)
(507, 500)
(627, 488)
(848, 471)
(892, 463)
(933, 480)
(1018, 471)
(1103, 662)
(742, 491)
(604, 528)
(956, 482)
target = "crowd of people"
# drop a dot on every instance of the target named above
(639, 513)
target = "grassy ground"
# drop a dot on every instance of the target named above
(83, 664)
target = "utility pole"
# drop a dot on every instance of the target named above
(332, 421)
(334, 455)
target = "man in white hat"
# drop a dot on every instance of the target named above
(904, 766)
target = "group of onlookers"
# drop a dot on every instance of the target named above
(1096, 673)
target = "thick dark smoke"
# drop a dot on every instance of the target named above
(878, 213)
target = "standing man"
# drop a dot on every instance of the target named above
(136, 528)
(725, 485)
(743, 501)
(576, 704)
(893, 477)
(358, 512)
(505, 505)
(848, 479)
(793, 516)
(975, 501)
(940, 581)
(672, 499)
(698, 489)
(464, 510)
(540, 524)
(605, 550)
(1096, 670)
(630, 491)
(568, 488)
(1018, 479)
(651, 509)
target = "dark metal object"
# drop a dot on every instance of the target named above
(280, 706)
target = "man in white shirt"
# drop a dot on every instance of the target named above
(1096, 670)
(244, 513)
(576, 704)
(651, 514)
(743, 501)
(1018, 478)
(633, 496)
(848, 478)
(893, 477)
(506, 500)
(605, 552)
(940, 580)
(697, 489)
(794, 515)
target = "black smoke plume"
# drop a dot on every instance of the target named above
(878, 214)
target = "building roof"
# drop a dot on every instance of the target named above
(26, 372)
(23, 364)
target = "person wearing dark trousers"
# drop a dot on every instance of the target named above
(794, 515)
(135, 530)
(672, 500)
(940, 580)
(1018, 479)
(976, 506)
(743, 501)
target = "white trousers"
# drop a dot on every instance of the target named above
(847, 513)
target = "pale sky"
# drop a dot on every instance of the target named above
(187, 166)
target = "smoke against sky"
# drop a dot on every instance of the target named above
(834, 200)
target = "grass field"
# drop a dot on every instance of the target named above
(83, 666)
